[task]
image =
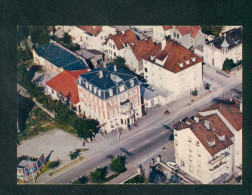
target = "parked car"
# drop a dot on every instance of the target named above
(172, 165)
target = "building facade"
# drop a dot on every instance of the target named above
(228, 46)
(110, 95)
(188, 36)
(173, 68)
(160, 32)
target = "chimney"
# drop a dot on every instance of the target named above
(230, 99)
(133, 43)
(93, 27)
(123, 32)
(115, 68)
(100, 74)
(196, 119)
(206, 124)
(163, 44)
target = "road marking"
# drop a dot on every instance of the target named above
(162, 133)
(131, 149)
(147, 141)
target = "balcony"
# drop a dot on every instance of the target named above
(218, 165)
(218, 158)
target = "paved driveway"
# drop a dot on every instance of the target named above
(57, 140)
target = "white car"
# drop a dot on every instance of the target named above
(172, 165)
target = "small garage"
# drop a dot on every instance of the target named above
(150, 99)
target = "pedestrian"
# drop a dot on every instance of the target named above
(83, 143)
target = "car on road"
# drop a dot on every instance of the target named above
(172, 165)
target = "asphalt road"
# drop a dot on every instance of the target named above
(141, 145)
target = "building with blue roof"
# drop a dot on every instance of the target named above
(110, 95)
(150, 99)
(57, 58)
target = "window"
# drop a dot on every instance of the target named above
(190, 168)
(199, 153)
(52, 91)
(122, 121)
(81, 38)
(146, 70)
(197, 143)
(130, 93)
(114, 46)
(177, 35)
(190, 158)
(176, 142)
(212, 61)
(101, 37)
(199, 173)
(134, 91)
(199, 162)
(174, 35)
(131, 83)
(190, 148)
(182, 163)
(189, 139)
(114, 54)
(114, 101)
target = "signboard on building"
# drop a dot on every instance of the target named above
(33, 168)
(20, 173)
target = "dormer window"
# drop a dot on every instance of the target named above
(86, 84)
(187, 62)
(95, 90)
(90, 87)
(131, 83)
(221, 137)
(211, 142)
(180, 65)
(121, 88)
(80, 80)
(110, 92)
(152, 57)
(99, 93)
(193, 59)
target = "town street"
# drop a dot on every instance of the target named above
(144, 142)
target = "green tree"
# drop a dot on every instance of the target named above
(98, 176)
(195, 92)
(207, 86)
(40, 35)
(157, 176)
(75, 154)
(212, 30)
(21, 54)
(118, 164)
(137, 179)
(27, 51)
(67, 39)
(120, 61)
(228, 65)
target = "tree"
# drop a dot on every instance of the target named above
(98, 176)
(175, 179)
(40, 35)
(195, 92)
(207, 86)
(157, 176)
(27, 51)
(120, 61)
(75, 154)
(212, 30)
(228, 65)
(118, 164)
(67, 39)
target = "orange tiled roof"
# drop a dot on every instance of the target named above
(167, 28)
(176, 54)
(142, 47)
(64, 83)
(119, 39)
(94, 30)
(184, 30)
(231, 111)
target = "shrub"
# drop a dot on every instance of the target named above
(195, 92)
(75, 154)
(207, 86)
(118, 164)
(98, 176)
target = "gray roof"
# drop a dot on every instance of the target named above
(111, 80)
(25, 163)
(84, 53)
(146, 93)
(60, 57)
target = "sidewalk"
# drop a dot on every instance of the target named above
(123, 176)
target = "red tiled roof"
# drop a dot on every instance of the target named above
(142, 47)
(231, 111)
(184, 30)
(176, 54)
(120, 39)
(94, 30)
(217, 127)
(64, 83)
(167, 28)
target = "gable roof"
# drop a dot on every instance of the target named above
(93, 30)
(60, 57)
(233, 39)
(111, 79)
(141, 47)
(167, 28)
(65, 83)
(231, 112)
(176, 54)
(184, 30)
(121, 39)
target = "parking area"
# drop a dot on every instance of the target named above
(57, 140)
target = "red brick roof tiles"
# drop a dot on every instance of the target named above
(64, 83)
(167, 28)
(94, 30)
(176, 54)
(184, 30)
(119, 39)
(142, 47)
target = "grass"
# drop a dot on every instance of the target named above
(137, 179)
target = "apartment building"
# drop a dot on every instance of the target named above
(208, 147)
(173, 69)
(110, 95)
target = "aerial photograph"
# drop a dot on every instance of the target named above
(129, 105)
